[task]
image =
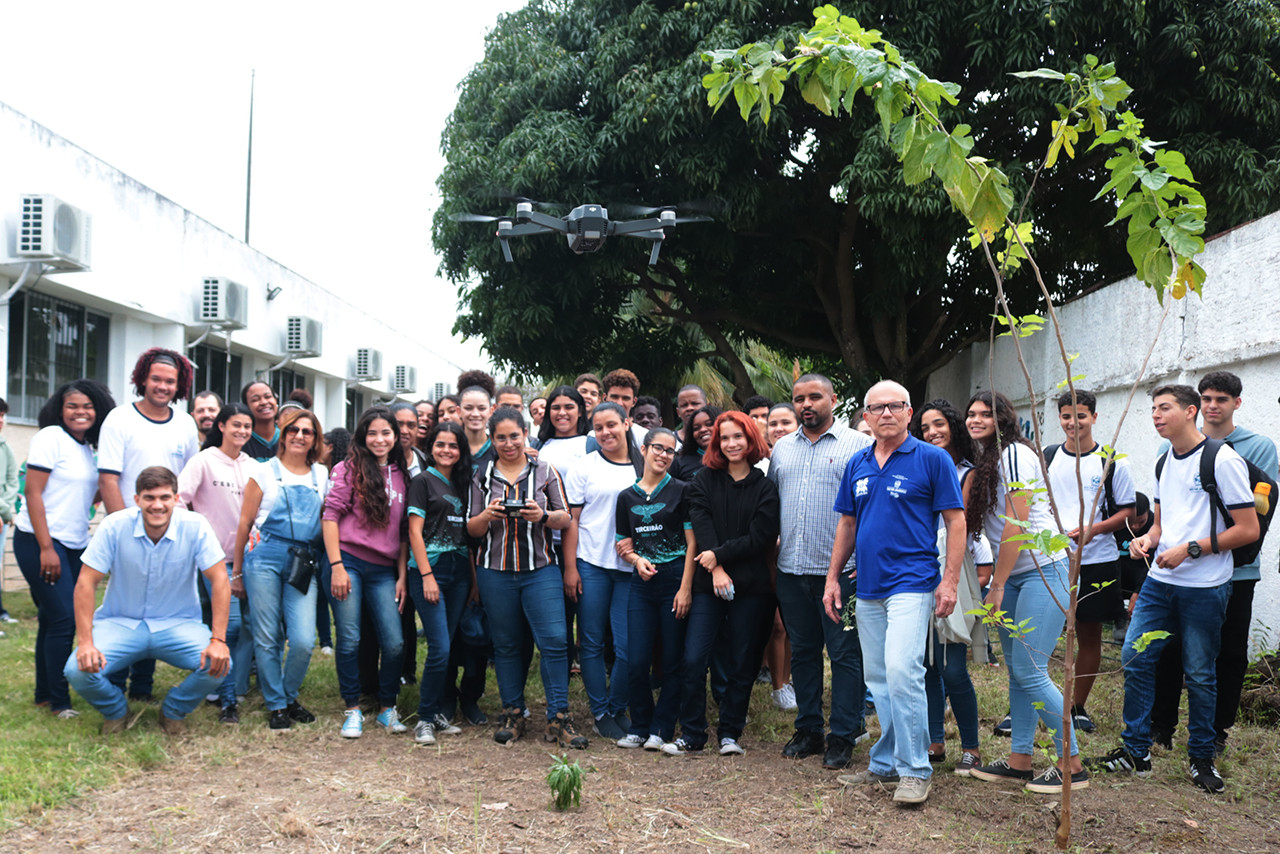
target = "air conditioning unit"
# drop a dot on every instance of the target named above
(224, 303)
(439, 390)
(54, 232)
(366, 365)
(404, 379)
(302, 336)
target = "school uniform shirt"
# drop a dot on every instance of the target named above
(593, 487)
(443, 513)
(896, 508)
(1185, 509)
(212, 484)
(686, 466)
(377, 544)
(264, 475)
(262, 449)
(68, 494)
(655, 521)
(511, 544)
(1066, 495)
(1020, 464)
(563, 452)
(130, 442)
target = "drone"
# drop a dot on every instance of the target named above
(586, 227)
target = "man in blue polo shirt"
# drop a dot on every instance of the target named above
(151, 609)
(889, 501)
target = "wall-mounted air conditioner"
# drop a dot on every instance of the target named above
(366, 365)
(223, 303)
(55, 232)
(302, 337)
(404, 379)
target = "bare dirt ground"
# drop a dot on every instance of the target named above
(308, 790)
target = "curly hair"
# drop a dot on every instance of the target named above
(961, 446)
(367, 480)
(484, 380)
(986, 470)
(142, 370)
(621, 378)
(99, 395)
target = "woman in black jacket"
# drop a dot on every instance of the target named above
(735, 515)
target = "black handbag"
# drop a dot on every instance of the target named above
(304, 558)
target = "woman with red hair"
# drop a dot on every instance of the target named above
(734, 511)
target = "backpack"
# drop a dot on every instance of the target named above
(1241, 555)
(1109, 507)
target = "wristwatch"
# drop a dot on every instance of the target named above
(1193, 549)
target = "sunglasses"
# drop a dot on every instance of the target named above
(305, 432)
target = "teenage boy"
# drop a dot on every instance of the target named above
(1099, 598)
(757, 407)
(689, 400)
(623, 388)
(261, 401)
(511, 396)
(1219, 400)
(591, 389)
(1187, 587)
(647, 413)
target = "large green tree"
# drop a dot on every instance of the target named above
(817, 249)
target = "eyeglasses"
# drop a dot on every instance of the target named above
(894, 407)
(661, 450)
(304, 432)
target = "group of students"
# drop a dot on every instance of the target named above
(677, 557)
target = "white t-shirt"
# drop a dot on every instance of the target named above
(1184, 514)
(130, 442)
(1019, 464)
(68, 494)
(1066, 494)
(563, 453)
(593, 485)
(263, 475)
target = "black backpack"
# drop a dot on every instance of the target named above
(1109, 507)
(1248, 553)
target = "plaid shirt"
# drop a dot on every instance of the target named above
(808, 476)
(512, 544)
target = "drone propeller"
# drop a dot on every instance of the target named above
(705, 206)
(470, 217)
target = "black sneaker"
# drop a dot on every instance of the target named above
(1162, 737)
(1205, 775)
(1004, 729)
(999, 772)
(806, 742)
(510, 727)
(1120, 760)
(1081, 721)
(280, 719)
(1050, 781)
(300, 713)
(472, 713)
(839, 753)
(606, 727)
(229, 715)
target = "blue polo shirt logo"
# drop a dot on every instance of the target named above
(862, 487)
(896, 489)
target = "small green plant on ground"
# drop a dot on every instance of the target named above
(565, 780)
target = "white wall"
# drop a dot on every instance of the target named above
(1235, 327)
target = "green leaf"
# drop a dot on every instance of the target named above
(1144, 640)
(1040, 73)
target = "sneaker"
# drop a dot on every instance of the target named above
(631, 742)
(66, 714)
(1120, 760)
(443, 727)
(280, 720)
(860, 734)
(653, 742)
(998, 772)
(870, 778)
(606, 727)
(1050, 782)
(172, 727)
(390, 719)
(623, 720)
(300, 713)
(679, 747)
(730, 747)
(472, 713)
(968, 761)
(1004, 729)
(326, 650)
(230, 715)
(1205, 775)
(912, 790)
(562, 730)
(785, 698)
(510, 727)
(213, 699)
(1219, 744)
(424, 733)
(806, 742)
(6, 618)
(1162, 737)
(353, 723)
(764, 677)
(839, 753)
(1119, 629)
(1081, 721)
(111, 726)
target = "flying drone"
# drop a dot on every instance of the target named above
(586, 227)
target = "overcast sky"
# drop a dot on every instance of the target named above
(350, 102)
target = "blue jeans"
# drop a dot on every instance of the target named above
(55, 616)
(1193, 616)
(279, 610)
(749, 622)
(809, 628)
(440, 622)
(180, 646)
(536, 599)
(603, 606)
(649, 615)
(893, 632)
(240, 643)
(947, 677)
(373, 591)
(1027, 598)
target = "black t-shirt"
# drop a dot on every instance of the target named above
(262, 450)
(655, 523)
(443, 513)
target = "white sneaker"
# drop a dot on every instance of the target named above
(212, 698)
(424, 733)
(730, 747)
(67, 714)
(679, 747)
(353, 723)
(631, 742)
(653, 742)
(785, 698)
(326, 650)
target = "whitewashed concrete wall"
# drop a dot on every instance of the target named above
(1235, 327)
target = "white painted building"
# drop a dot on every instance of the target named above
(1235, 327)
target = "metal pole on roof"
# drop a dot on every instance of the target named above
(248, 177)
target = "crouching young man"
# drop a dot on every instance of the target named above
(151, 608)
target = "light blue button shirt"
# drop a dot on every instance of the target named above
(151, 582)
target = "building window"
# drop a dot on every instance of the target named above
(51, 342)
(217, 370)
(284, 381)
(355, 405)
